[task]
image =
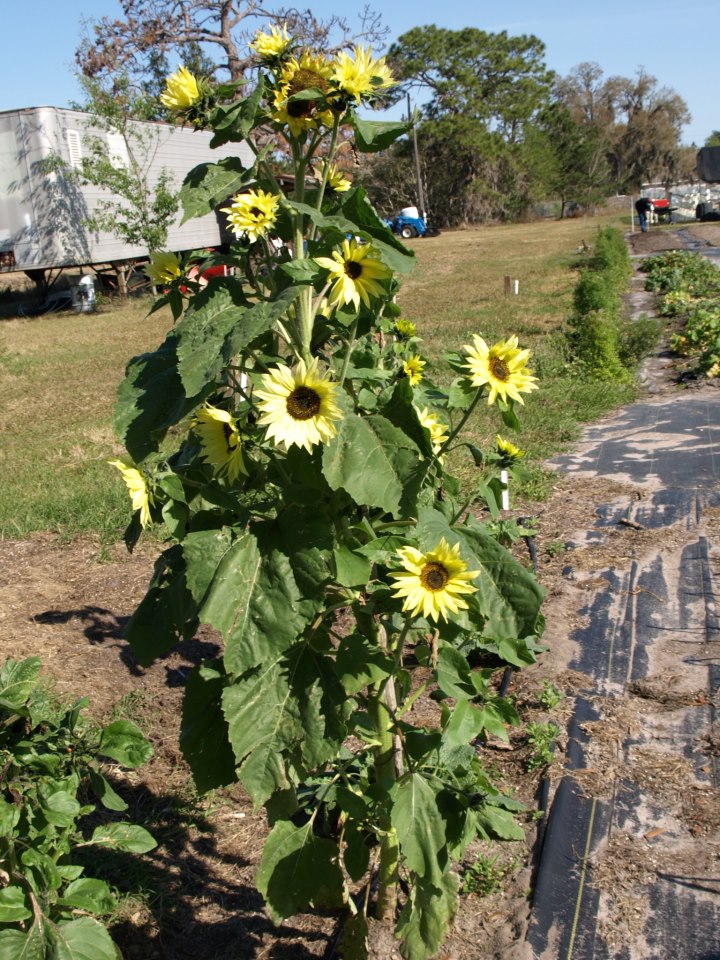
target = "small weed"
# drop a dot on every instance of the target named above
(555, 548)
(540, 737)
(549, 696)
(485, 875)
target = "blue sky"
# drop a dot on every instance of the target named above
(39, 39)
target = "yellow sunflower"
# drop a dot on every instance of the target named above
(252, 214)
(142, 498)
(437, 428)
(503, 367)
(164, 267)
(271, 45)
(298, 406)
(360, 76)
(181, 91)
(336, 179)
(432, 582)
(414, 369)
(508, 452)
(310, 72)
(356, 274)
(405, 329)
(220, 439)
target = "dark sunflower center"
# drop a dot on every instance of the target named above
(255, 212)
(434, 576)
(303, 403)
(499, 369)
(304, 80)
(353, 269)
(230, 438)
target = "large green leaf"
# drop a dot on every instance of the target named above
(202, 332)
(425, 918)
(420, 827)
(123, 836)
(123, 740)
(374, 135)
(204, 731)
(13, 906)
(81, 939)
(287, 708)
(151, 399)
(298, 869)
(60, 808)
(233, 122)
(508, 596)
(209, 184)
(17, 680)
(88, 894)
(17, 945)
(254, 602)
(376, 463)
(360, 663)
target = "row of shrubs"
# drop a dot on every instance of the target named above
(607, 346)
(689, 289)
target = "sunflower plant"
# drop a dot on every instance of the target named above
(289, 441)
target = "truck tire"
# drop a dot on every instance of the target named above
(407, 232)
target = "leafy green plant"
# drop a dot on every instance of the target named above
(485, 875)
(52, 765)
(540, 738)
(549, 696)
(289, 442)
(596, 329)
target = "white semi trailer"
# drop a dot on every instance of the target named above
(43, 214)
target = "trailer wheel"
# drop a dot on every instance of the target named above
(407, 232)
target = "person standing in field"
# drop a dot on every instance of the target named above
(644, 207)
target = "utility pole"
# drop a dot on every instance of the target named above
(418, 175)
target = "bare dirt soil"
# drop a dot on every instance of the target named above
(194, 897)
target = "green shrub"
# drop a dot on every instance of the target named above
(638, 339)
(51, 768)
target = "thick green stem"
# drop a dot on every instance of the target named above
(385, 774)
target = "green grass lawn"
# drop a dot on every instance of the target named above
(59, 374)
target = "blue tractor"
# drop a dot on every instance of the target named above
(408, 224)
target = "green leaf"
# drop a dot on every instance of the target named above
(123, 740)
(420, 827)
(425, 918)
(298, 869)
(376, 463)
(357, 207)
(18, 678)
(289, 707)
(123, 836)
(105, 793)
(494, 824)
(15, 945)
(41, 870)
(13, 906)
(374, 135)
(360, 663)
(356, 855)
(461, 394)
(351, 569)
(151, 399)
(60, 808)
(464, 725)
(94, 896)
(233, 123)
(81, 939)
(9, 816)
(253, 601)
(204, 730)
(454, 675)
(209, 184)
(302, 271)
